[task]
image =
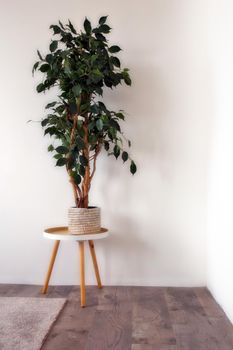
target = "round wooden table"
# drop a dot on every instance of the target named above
(59, 234)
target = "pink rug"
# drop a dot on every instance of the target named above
(25, 322)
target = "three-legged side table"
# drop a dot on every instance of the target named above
(59, 234)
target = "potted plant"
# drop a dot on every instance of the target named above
(81, 65)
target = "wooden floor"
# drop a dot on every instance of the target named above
(134, 318)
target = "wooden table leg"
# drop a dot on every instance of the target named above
(50, 268)
(93, 255)
(82, 274)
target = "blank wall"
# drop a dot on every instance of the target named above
(157, 219)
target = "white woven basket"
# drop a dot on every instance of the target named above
(84, 220)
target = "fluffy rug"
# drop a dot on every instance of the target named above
(25, 322)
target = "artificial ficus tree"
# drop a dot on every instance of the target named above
(81, 64)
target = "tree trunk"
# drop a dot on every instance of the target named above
(86, 180)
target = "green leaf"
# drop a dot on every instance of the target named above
(115, 61)
(62, 150)
(85, 107)
(51, 104)
(127, 80)
(44, 68)
(53, 46)
(61, 161)
(112, 133)
(87, 26)
(35, 66)
(50, 148)
(116, 151)
(49, 58)
(57, 156)
(56, 29)
(102, 19)
(44, 122)
(120, 116)
(124, 156)
(51, 131)
(39, 54)
(91, 125)
(94, 109)
(70, 25)
(96, 75)
(73, 107)
(93, 139)
(99, 124)
(102, 106)
(80, 143)
(100, 37)
(61, 25)
(133, 167)
(76, 90)
(93, 58)
(108, 82)
(40, 87)
(60, 109)
(104, 28)
(106, 145)
(67, 69)
(83, 160)
(77, 178)
(82, 170)
(115, 124)
(114, 49)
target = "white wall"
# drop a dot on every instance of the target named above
(156, 218)
(220, 202)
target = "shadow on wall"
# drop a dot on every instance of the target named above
(148, 110)
(149, 113)
(129, 202)
(129, 249)
(165, 200)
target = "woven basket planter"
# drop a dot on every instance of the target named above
(84, 220)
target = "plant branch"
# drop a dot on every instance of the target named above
(86, 179)
(76, 190)
(94, 161)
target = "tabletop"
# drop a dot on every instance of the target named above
(62, 234)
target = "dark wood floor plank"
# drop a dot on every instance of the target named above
(217, 319)
(107, 298)
(112, 324)
(153, 347)
(57, 291)
(71, 329)
(194, 330)
(210, 306)
(151, 319)
(12, 290)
